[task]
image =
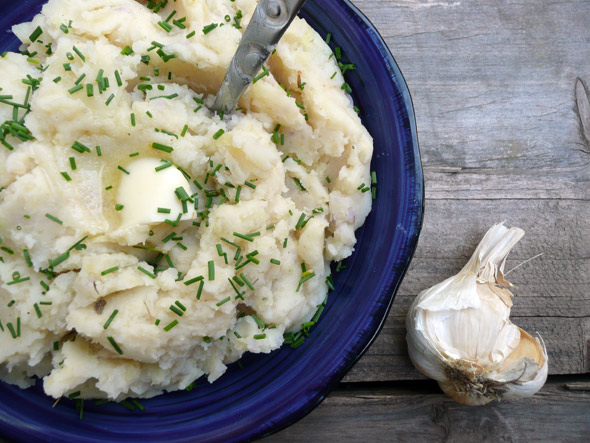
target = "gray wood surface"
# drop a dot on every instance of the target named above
(500, 90)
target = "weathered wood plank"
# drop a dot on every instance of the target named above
(494, 87)
(419, 413)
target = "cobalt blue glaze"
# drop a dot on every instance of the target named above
(273, 391)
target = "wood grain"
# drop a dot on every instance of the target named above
(418, 413)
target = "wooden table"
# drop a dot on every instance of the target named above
(500, 89)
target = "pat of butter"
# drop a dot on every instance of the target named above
(147, 194)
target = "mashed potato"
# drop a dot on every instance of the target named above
(121, 298)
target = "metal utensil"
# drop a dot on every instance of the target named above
(269, 22)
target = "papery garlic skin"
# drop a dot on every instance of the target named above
(460, 334)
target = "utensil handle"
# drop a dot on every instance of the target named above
(269, 22)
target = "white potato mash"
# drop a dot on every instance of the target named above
(146, 241)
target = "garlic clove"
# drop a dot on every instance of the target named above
(460, 333)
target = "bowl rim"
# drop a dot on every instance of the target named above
(415, 215)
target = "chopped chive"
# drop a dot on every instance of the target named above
(374, 178)
(374, 193)
(73, 163)
(275, 262)
(162, 147)
(7, 250)
(211, 266)
(346, 87)
(264, 73)
(337, 52)
(250, 185)
(133, 119)
(218, 134)
(90, 90)
(193, 280)
(57, 79)
(183, 133)
(157, 323)
(121, 168)
(165, 26)
(191, 34)
(285, 242)
(200, 290)
(225, 300)
(248, 283)
(53, 218)
(115, 345)
(244, 237)
(118, 78)
(66, 176)
(36, 34)
(163, 211)
(98, 151)
(75, 89)
(127, 50)
(207, 29)
(237, 334)
(77, 82)
(259, 336)
(176, 310)
(37, 310)
(180, 305)
(146, 272)
(108, 271)
(110, 99)
(27, 258)
(11, 329)
(138, 404)
(77, 51)
(171, 325)
(111, 318)
(238, 192)
(259, 322)
(328, 37)
(74, 394)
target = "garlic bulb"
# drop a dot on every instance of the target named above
(460, 333)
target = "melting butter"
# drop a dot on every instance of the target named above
(147, 194)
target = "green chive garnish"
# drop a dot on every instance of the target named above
(75, 89)
(77, 51)
(171, 325)
(259, 322)
(53, 218)
(115, 345)
(162, 147)
(108, 271)
(259, 336)
(218, 134)
(146, 272)
(275, 262)
(36, 34)
(225, 300)
(121, 168)
(211, 266)
(37, 310)
(207, 29)
(111, 318)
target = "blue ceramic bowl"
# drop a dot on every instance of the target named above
(273, 391)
